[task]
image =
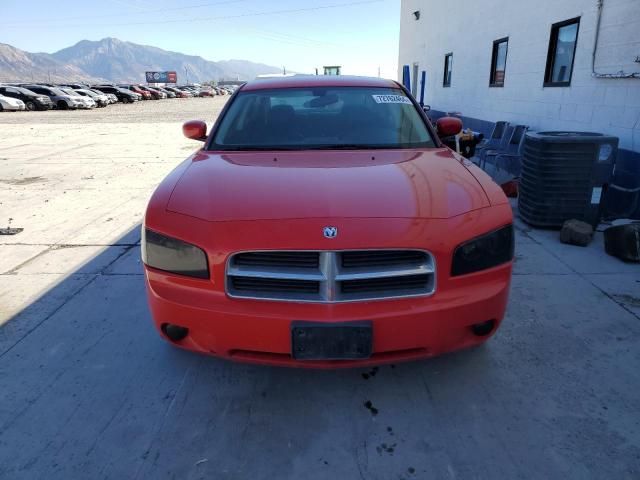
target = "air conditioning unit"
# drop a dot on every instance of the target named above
(564, 176)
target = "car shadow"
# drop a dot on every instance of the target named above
(90, 389)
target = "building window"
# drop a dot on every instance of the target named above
(562, 51)
(448, 65)
(498, 62)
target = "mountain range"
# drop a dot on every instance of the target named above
(114, 60)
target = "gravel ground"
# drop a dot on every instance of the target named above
(89, 390)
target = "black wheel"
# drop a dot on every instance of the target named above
(30, 105)
(62, 105)
(1, 107)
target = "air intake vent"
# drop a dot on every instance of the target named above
(279, 259)
(383, 258)
(267, 285)
(406, 283)
(331, 276)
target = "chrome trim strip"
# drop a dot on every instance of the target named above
(385, 274)
(282, 274)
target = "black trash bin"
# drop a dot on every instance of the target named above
(564, 176)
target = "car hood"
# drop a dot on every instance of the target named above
(430, 183)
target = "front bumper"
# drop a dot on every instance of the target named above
(258, 331)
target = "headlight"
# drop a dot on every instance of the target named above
(484, 252)
(172, 255)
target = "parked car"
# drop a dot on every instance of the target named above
(179, 93)
(60, 99)
(168, 93)
(185, 90)
(87, 102)
(11, 104)
(112, 98)
(145, 94)
(75, 86)
(32, 100)
(123, 95)
(358, 237)
(192, 90)
(161, 94)
(155, 95)
(100, 98)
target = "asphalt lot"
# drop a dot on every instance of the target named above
(88, 389)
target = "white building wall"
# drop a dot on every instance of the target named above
(468, 28)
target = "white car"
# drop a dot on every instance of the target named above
(12, 104)
(101, 99)
(83, 102)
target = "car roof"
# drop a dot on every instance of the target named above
(300, 81)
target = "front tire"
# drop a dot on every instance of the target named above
(62, 105)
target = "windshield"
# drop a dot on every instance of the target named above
(57, 91)
(322, 118)
(24, 91)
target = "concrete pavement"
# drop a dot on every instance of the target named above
(88, 389)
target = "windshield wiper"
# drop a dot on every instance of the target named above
(256, 148)
(300, 148)
(350, 146)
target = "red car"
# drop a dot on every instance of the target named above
(324, 224)
(145, 95)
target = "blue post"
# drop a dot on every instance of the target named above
(406, 77)
(423, 84)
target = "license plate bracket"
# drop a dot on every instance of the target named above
(331, 341)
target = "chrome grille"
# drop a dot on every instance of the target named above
(327, 276)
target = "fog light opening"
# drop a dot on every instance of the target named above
(175, 333)
(483, 329)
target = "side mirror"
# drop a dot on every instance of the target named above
(448, 126)
(426, 108)
(195, 130)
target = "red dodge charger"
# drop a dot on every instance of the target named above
(324, 224)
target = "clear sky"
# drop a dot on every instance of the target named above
(360, 35)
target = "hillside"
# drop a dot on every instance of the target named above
(19, 66)
(118, 61)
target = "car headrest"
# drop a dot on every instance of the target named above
(357, 115)
(281, 114)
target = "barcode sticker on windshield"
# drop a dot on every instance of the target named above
(391, 99)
